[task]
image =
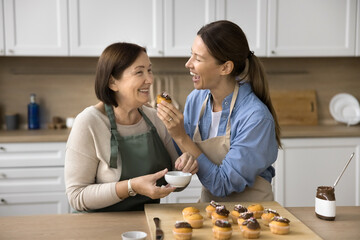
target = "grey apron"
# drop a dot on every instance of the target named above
(216, 149)
(141, 154)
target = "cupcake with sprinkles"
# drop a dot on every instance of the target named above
(238, 208)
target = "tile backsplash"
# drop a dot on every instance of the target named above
(65, 85)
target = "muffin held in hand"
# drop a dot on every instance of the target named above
(250, 228)
(238, 208)
(268, 215)
(164, 96)
(244, 216)
(182, 231)
(222, 230)
(220, 213)
(257, 209)
(279, 225)
(189, 211)
(211, 208)
(196, 220)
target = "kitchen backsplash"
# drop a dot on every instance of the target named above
(65, 86)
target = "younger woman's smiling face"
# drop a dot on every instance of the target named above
(203, 66)
(133, 87)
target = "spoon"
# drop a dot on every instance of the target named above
(337, 180)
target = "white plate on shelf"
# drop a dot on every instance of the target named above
(345, 108)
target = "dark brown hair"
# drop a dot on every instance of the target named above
(112, 63)
(227, 42)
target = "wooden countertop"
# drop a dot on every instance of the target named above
(112, 225)
(45, 135)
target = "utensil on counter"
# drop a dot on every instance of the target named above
(342, 172)
(158, 232)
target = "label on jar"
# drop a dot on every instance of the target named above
(325, 208)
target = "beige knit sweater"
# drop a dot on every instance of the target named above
(90, 182)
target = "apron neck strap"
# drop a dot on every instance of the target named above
(115, 136)
(228, 125)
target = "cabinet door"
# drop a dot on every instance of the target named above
(183, 18)
(312, 28)
(2, 42)
(30, 180)
(96, 24)
(33, 204)
(36, 28)
(251, 16)
(32, 154)
(305, 164)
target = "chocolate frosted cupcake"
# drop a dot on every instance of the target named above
(279, 225)
(238, 208)
(164, 96)
(268, 215)
(244, 216)
(182, 230)
(211, 208)
(250, 228)
(222, 230)
(220, 213)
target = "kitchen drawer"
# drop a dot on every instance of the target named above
(26, 180)
(32, 154)
(33, 204)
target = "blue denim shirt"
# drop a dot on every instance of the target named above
(253, 146)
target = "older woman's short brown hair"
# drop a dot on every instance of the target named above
(112, 63)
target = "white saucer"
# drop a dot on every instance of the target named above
(345, 108)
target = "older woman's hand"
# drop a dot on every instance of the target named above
(146, 185)
(172, 118)
(187, 163)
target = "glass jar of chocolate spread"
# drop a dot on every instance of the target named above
(325, 207)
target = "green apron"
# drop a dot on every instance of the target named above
(140, 155)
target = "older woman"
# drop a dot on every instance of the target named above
(118, 151)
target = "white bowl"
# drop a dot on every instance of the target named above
(178, 178)
(345, 108)
(134, 235)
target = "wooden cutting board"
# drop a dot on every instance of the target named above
(295, 107)
(170, 213)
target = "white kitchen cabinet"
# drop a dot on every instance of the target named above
(36, 27)
(311, 28)
(251, 16)
(2, 42)
(182, 20)
(358, 29)
(32, 179)
(96, 24)
(306, 163)
(190, 194)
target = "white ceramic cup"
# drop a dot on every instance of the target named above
(134, 235)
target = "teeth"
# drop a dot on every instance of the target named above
(192, 74)
(144, 90)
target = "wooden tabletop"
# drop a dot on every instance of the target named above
(345, 226)
(112, 225)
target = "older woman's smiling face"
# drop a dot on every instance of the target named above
(133, 87)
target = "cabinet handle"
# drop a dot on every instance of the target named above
(2, 175)
(11, 51)
(3, 200)
(273, 52)
(161, 52)
(1, 51)
(2, 149)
